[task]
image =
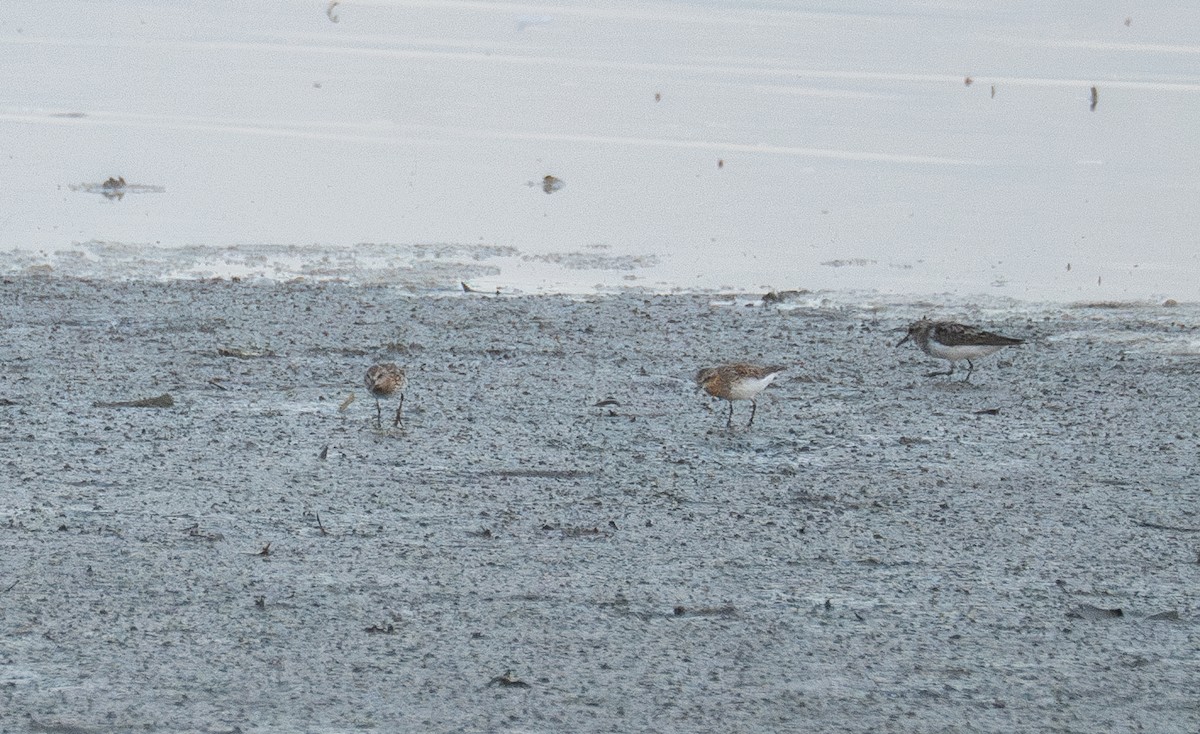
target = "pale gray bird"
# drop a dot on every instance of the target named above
(955, 342)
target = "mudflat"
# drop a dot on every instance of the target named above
(202, 532)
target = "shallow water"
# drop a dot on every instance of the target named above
(717, 145)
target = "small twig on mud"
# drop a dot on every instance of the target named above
(11, 586)
(320, 525)
(1176, 528)
(266, 550)
(508, 680)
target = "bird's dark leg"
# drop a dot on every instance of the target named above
(753, 410)
(399, 411)
(378, 414)
(970, 369)
(729, 420)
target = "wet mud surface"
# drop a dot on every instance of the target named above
(882, 552)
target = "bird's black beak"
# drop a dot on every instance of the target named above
(906, 336)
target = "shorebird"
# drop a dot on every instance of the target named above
(955, 342)
(738, 381)
(384, 380)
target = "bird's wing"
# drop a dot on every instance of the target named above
(960, 335)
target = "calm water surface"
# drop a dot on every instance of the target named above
(700, 145)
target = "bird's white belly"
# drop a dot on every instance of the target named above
(962, 351)
(745, 389)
